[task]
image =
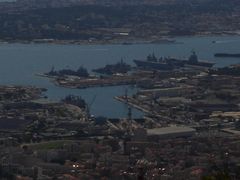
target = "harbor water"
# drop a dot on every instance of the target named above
(19, 64)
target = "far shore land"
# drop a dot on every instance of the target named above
(124, 40)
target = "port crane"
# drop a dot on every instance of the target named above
(129, 113)
(89, 105)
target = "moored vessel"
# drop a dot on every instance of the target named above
(170, 63)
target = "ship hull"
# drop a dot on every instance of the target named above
(183, 62)
(153, 65)
(201, 64)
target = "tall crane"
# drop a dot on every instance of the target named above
(129, 119)
(89, 105)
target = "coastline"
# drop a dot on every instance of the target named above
(27, 75)
(123, 41)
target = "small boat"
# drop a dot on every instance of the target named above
(227, 55)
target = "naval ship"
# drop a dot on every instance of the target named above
(171, 63)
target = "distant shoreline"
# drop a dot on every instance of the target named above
(126, 41)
